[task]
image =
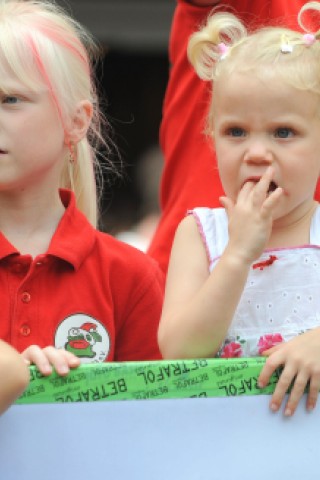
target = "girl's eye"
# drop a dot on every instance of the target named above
(10, 99)
(236, 132)
(283, 132)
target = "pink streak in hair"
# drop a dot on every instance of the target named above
(55, 38)
(45, 76)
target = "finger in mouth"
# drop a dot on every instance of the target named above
(272, 187)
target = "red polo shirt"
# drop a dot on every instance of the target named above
(190, 177)
(90, 293)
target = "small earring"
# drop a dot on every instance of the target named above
(72, 153)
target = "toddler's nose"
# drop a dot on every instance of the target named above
(258, 153)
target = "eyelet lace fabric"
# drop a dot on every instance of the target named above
(281, 298)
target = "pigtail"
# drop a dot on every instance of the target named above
(213, 42)
(309, 7)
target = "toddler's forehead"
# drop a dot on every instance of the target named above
(241, 79)
(262, 92)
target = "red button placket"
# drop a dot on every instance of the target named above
(25, 305)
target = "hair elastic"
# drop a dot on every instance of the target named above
(223, 50)
(309, 39)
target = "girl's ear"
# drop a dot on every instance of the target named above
(80, 122)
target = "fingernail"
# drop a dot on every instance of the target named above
(63, 369)
(310, 407)
(46, 368)
(274, 407)
(260, 384)
(288, 412)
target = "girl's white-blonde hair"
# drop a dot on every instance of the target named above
(44, 46)
(223, 46)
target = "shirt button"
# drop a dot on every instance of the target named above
(17, 268)
(26, 297)
(25, 330)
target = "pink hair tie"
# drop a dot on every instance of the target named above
(223, 50)
(309, 39)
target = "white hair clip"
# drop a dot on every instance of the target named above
(309, 39)
(223, 50)
(286, 48)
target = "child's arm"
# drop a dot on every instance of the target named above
(14, 375)
(48, 357)
(199, 306)
(300, 358)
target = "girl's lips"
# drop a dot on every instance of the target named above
(251, 180)
(272, 187)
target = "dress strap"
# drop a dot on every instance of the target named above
(213, 228)
(315, 228)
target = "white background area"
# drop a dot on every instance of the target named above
(187, 439)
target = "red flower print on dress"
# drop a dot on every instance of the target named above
(268, 341)
(231, 350)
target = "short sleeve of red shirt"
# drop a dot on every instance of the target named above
(190, 177)
(137, 290)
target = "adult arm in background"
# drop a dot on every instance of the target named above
(202, 2)
(190, 178)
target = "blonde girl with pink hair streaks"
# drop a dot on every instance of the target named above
(243, 279)
(69, 293)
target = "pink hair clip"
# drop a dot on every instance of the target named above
(309, 39)
(223, 50)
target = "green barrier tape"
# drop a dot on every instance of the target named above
(149, 380)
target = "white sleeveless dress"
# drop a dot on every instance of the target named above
(281, 298)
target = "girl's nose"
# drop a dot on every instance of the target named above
(258, 153)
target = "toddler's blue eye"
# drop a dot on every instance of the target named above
(236, 132)
(283, 132)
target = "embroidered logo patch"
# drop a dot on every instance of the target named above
(85, 337)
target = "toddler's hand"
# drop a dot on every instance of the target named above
(48, 357)
(300, 358)
(251, 217)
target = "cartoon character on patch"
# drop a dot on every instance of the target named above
(82, 339)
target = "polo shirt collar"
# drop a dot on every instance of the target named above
(73, 239)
